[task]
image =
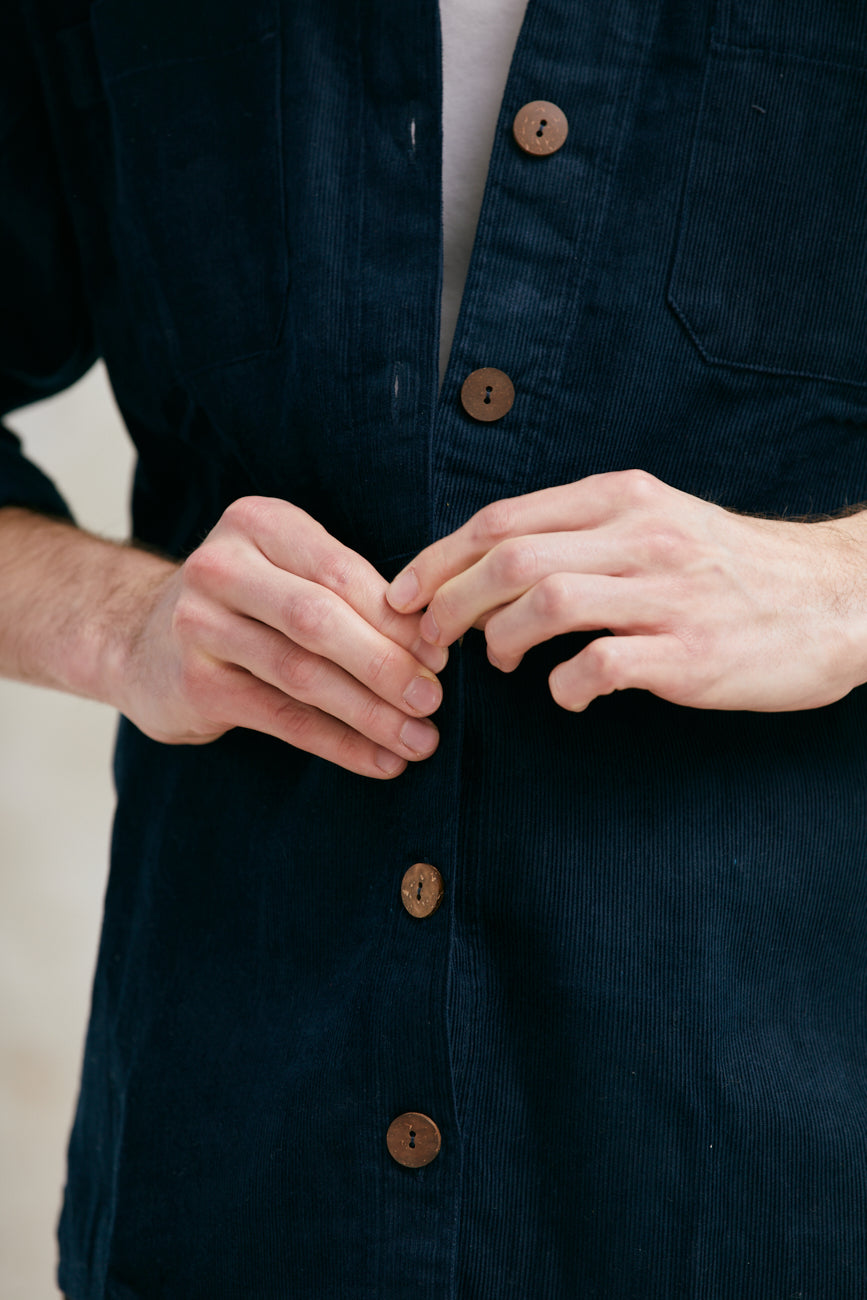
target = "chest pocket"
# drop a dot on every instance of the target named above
(194, 100)
(770, 270)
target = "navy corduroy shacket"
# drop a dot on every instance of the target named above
(638, 1018)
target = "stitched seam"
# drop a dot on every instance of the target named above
(755, 366)
(723, 47)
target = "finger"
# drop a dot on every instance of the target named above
(312, 680)
(570, 602)
(315, 618)
(514, 567)
(660, 664)
(294, 542)
(264, 708)
(587, 503)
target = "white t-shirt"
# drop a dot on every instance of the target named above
(478, 38)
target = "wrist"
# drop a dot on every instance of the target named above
(106, 653)
(71, 604)
(846, 579)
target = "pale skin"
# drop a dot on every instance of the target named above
(700, 606)
(270, 624)
(274, 625)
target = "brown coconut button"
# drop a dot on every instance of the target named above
(540, 127)
(421, 890)
(487, 394)
(413, 1140)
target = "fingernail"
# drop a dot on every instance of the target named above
(423, 694)
(403, 590)
(428, 627)
(434, 657)
(420, 737)
(388, 762)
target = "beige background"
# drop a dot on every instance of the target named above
(55, 811)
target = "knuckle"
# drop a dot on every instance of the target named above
(495, 522)
(499, 643)
(515, 562)
(349, 747)
(297, 672)
(335, 570)
(246, 514)
(188, 620)
(380, 666)
(307, 617)
(638, 488)
(605, 664)
(208, 568)
(370, 718)
(662, 546)
(296, 722)
(552, 597)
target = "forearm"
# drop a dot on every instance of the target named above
(70, 604)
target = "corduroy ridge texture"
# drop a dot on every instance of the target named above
(639, 1016)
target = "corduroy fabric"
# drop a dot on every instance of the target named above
(638, 1017)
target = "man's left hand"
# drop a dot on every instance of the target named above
(699, 605)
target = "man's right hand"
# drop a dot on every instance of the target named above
(270, 624)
